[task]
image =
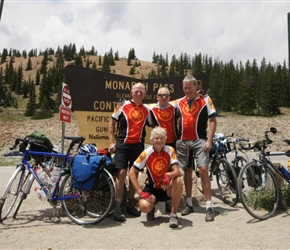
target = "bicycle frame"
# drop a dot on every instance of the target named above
(52, 196)
(264, 159)
(218, 153)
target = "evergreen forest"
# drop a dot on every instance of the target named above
(256, 88)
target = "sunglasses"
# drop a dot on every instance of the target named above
(163, 95)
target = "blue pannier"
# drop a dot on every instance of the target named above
(85, 170)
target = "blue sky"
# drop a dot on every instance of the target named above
(225, 30)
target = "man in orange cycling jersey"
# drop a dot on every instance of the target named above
(131, 116)
(194, 112)
(163, 115)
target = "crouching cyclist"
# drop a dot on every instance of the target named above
(163, 181)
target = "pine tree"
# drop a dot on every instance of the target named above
(82, 52)
(45, 91)
(283, 84)
(92, 51)
(37, 77)
(228, 86)
(24, 54)
(31, 104)
(4, 56)
(207, 65)
(44, 63)
(154, 58)
(172, 69)
(116, 57)
(197, 66)
(25, 89)
(44, 112)
(78, 60)
(29, 65)
(111, 60)
(215, 86)
(106, 64)
(132, 70)
(9, 72)
(247, 100)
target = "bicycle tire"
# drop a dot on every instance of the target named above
(258, 190)
(239, 163)
(227, 182)
(90, 207)
(11, 193)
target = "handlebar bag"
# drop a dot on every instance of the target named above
(39, 142)
(86, 169)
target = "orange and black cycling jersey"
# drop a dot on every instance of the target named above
(132, 120)
(157, 163)
(194, 116)
(165, 118)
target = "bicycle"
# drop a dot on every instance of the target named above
(238, 160)
(257, 183)
(81, 206)
(223, 170)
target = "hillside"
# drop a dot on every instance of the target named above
(121, 68)
(13, 124)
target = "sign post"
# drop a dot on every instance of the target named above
(65, 110)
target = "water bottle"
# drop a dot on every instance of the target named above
(40, 174)
(47, 165)
(40, 193)
(285, 172)
(43, 177)
(55, 173)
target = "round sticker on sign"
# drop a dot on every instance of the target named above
(66, 98)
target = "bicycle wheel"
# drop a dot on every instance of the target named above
(258, 190)
(238, 163)
(227, 182)
(89, 207)
(12, 192)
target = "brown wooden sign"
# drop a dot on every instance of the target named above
(95, 95)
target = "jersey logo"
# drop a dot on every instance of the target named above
(190, 110)
(165, 115)
(159, 166)
(136, 114)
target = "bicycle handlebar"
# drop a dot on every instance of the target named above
(74, 140)
(16, 143)
(238, 140)
(222, 137)
(261, 145)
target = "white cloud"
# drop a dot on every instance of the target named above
(225, 30)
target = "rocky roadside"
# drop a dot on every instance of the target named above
(251, 127)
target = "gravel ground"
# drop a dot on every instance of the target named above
(233, 227)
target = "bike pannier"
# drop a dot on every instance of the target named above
(85, 169)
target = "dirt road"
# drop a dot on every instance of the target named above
(233, 228)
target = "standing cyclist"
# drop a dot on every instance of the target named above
(131, 116)
(194, 111)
